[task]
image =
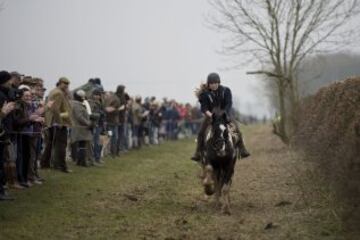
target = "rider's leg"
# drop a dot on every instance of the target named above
(243, 151)
(200, 139)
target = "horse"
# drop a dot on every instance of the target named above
(219, 157)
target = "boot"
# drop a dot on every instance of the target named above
(243, 152)
(197, 155)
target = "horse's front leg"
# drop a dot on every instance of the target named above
(226, 195)
(217, 193)
(208, 181)
(226, 190)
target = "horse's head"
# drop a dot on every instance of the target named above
(220, 132)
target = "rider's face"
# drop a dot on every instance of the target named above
(214, 86)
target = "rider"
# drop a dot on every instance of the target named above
(213, 95)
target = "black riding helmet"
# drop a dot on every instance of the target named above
(213, 78)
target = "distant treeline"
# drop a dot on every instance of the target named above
(322, 70)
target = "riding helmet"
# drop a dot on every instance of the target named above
(213, 78)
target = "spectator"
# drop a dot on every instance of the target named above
(137, 117)
(120, 93)
(112, 105)
(81, 132)
(98, 113)
(58, 120)
(7, 106)
(25, 117)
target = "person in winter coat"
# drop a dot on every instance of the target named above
(57, 120)
(212, 96)
(81, 132)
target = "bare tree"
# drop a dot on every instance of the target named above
(280, 34)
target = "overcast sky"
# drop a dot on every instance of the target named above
(155, 48)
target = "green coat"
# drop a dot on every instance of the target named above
(113, 117)
(60, 111)
(81, 130)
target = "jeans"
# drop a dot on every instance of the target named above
(97, 146)
(154, 135)
(114, 138)
(121, 137)
(171, 129)
(136, 136)
(129, 135)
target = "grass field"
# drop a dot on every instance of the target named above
(154, 193)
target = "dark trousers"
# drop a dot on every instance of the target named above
(55, 148)
(121, 137)
(2, 174)
(113, 139)
(33, 158)
(81, 153)
(25, 159)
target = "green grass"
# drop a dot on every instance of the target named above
(155, 193)
(129, 198)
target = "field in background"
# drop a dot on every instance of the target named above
(155, 193)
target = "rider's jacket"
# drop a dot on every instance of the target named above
(221, 98)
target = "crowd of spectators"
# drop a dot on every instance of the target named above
(81, 125)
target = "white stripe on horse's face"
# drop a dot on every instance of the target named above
(222, 127)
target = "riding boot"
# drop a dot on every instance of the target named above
(200, 140)
(197, 155)
(243, 152)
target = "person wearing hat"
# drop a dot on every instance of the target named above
(57, 120)
(112, 104)
(81, 132)
(97, 117)
(213, 95)
(121, 94)
(16, 78)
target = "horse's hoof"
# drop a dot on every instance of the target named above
(209, 190)
(226, 211)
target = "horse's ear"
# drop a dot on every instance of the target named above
(214, 117)
(225, 117)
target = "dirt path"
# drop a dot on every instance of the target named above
(154, 194)
(270, 197)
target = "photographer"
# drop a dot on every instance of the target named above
(7, 106)
(25, 116)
